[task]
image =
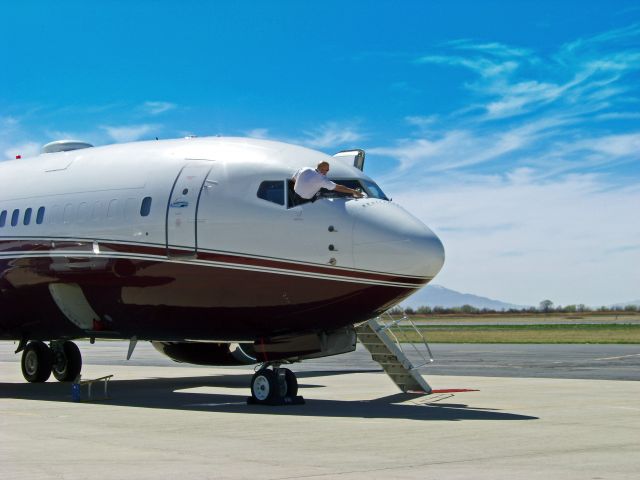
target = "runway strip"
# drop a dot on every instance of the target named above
(170, 420)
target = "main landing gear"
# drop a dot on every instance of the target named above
(63, 359)
(272, 385)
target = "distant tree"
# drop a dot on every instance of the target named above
(468, 309)
(546, 305)
(424, 310)
(570, 309)
(409, 311)
(631, 308)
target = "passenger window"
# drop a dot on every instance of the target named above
(145, 208)
(27, 217)
(55, 216)
(15, 216)
(97, 212)
(130, 208)
(3, 218)
(83, 212)
(40, 215)
(68, 214)
(272, 191)
(112, 209)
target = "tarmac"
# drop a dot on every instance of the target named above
(164, 420)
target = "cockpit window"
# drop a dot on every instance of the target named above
(373, 190)
(272, 191)
(367, 186)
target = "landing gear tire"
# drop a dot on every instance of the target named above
(291, 383)
(274, 387)
(36, 363)
(67, 361)
(264, 386)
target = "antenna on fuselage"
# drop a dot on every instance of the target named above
(64, 146)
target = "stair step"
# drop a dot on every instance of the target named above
(391, 358)
(395, 369)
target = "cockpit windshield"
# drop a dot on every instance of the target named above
(373, 190)
(367, 186)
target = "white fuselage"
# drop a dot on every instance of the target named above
(122, 239)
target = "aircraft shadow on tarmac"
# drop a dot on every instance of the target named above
(174, 394)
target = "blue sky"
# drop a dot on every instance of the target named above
(511, 128)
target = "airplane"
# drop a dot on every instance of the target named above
(195, 244)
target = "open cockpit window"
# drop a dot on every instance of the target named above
(272, 191)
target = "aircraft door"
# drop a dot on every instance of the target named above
(182, 210)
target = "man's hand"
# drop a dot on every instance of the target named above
(350, 191)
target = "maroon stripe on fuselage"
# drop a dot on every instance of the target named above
(162, 300)
(306, 268)
(61, 245)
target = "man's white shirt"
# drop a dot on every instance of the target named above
(309, 182)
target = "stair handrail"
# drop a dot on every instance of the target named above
(394, 324)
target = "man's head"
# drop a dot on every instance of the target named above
(323, 168)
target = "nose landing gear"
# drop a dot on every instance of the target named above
(274, 386)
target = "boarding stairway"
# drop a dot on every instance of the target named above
(384, 337)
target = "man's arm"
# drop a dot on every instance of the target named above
(351, 191)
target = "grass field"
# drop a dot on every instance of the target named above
(528, 318)
(527, 334)
(509, 328)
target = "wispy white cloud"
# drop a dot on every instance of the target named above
(8, 122)
(618, 36)
(332, 135)
(524, 184)
(421, 121)
(486, 68)
(496, 49)
(618, 116)
(24, 150)
(156, 108)
(262, 133)
(581, 71)
(508, 235)
(613, 146)
(455, 149)
(130, 133)
(528, 107)
(13, 141)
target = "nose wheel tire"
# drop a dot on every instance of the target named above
(67, 361)
(291, 383)
(274, 387)
(37, 361)
(264, 386)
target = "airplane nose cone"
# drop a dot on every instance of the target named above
(387, 238)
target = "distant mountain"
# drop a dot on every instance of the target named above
(439, 296)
